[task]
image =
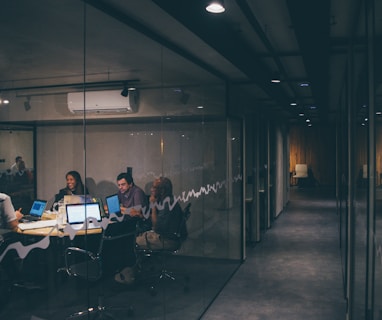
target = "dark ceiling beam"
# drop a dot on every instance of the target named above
(76, 86)
(311, 24)
(224, 38)
(108, 9)
(247, 12)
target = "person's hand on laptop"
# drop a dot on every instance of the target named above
(19, 215)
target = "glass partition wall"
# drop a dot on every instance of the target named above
(359, 167)
(176, 130)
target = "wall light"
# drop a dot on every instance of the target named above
(27, 104)
(215, 6)
(4, 101)
(125, 91)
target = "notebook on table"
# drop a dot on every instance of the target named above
(36, 211)
(113, 204)
(76, 214)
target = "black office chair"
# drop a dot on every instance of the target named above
(5, 283)
(90, 266)
(149, 259)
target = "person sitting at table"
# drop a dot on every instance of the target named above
(74, 186)
(15, 166)
(9, 217)
(22, 175)
(130, 197)
(165, 218)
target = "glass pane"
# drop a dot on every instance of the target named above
(177, 129)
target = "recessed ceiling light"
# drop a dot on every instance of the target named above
(215, 6)
(276, 78)
(304, 84)
(293, 103)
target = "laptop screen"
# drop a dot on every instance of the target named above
(77, 198)
(77, 213)
(113, 205)
(38, 208)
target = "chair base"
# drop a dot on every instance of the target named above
(167, 275)
(101, 312)
(148, 274)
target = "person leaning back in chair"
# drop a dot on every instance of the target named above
(165, 218)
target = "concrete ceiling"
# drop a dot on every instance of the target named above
(52, 44)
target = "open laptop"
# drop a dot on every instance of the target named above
(77, 198)
(76, 214)
(36, 211)
(113, 204)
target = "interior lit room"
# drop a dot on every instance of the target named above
(250, 111)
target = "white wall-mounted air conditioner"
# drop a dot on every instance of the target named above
(105, 101)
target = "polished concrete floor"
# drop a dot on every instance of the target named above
(294, 272)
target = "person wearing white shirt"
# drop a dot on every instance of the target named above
(9, 217)
(15, 166)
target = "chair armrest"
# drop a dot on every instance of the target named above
(80, 251)
(82, 263)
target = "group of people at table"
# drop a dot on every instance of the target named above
(163, 215)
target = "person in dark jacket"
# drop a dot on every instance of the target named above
(166, 216)
(74, 186)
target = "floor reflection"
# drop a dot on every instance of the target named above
(207, 278)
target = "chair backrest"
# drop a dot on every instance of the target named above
(182, 231)
(117, 232)
(91, 265)
(301, 171)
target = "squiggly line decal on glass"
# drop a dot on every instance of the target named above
(44, 243)
(23, 251)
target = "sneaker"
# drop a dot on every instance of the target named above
(125, 276)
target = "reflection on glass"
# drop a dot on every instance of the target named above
(17, 167)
